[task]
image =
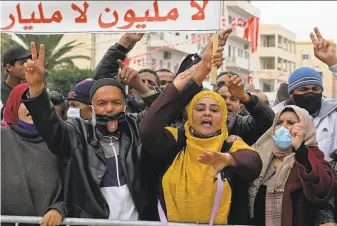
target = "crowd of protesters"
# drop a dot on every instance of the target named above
(165, 148)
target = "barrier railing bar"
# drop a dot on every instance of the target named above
(85, 221)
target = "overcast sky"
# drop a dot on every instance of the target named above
(301, 16)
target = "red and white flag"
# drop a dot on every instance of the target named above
(252, 30)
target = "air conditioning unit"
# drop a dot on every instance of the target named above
(167, 55)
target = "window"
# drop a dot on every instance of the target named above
(229, 19)
(234, 51)
(267, 85)
(193, 37)
(305, 57)
(154, 64)
(240, 53)
(161, 35)
(167, 55)
(169, 65)
(246, 55)
(161, 64)
(177, 34)
(229, 50)
(186, 37)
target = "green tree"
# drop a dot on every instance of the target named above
(6, 43)
(54, 51)
(65, 79)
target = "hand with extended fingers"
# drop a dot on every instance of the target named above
(324, 50)
(129, 76)
(217, 160)
(209, 59)
(34, 71)
(236, 87)
(184, 77)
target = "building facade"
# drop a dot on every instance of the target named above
(305, 58)
(276, 58)
(238, 50)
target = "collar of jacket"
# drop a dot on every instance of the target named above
(125, 130)
(30, 136)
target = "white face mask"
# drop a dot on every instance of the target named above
(74, 112)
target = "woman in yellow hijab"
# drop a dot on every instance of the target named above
(187, 192)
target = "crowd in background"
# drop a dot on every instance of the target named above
(151, 145)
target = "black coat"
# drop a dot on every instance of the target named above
(77, 141)
(251, 127)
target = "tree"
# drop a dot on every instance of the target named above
(54, 52)
(65, 79)
(6, 43)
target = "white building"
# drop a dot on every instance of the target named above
(238, 50)
(276, 56)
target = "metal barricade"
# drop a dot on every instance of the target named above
(84, 221)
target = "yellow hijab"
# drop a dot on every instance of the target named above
(189, 190)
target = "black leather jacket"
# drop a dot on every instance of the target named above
(77, 141)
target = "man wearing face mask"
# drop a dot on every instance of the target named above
(305, 91)
(249, 127)
(79, 98)
(108, 176)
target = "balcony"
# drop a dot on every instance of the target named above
(243, 8)
(237, 62)
(237, 35)
(276, 52)
(273, 74)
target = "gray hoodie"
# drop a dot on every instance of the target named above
(326, 126)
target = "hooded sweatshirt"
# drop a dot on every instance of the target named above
(326, 126)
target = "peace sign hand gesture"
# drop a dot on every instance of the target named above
(34, 71)
(323, 49)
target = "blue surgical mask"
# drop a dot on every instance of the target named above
(282, 138)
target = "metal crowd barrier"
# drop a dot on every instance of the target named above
(84, 221)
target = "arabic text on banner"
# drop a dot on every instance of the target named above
(109, 16)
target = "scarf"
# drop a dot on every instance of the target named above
(276, 179)
(10, 115)
(189, 190)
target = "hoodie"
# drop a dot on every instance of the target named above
(326, 125)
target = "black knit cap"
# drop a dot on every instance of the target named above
(106, 82)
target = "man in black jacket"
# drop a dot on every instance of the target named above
(108, 174)
(108, 68)
(249, 127)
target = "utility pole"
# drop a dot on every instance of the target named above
(93, 51)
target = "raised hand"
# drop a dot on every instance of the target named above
(217, 160)
(182, 79)
(208, 58)
(297, 133)
(236, 88)
(323, 49)
(51, 218)
(130, 39)
(34, 71)
(129, 76)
